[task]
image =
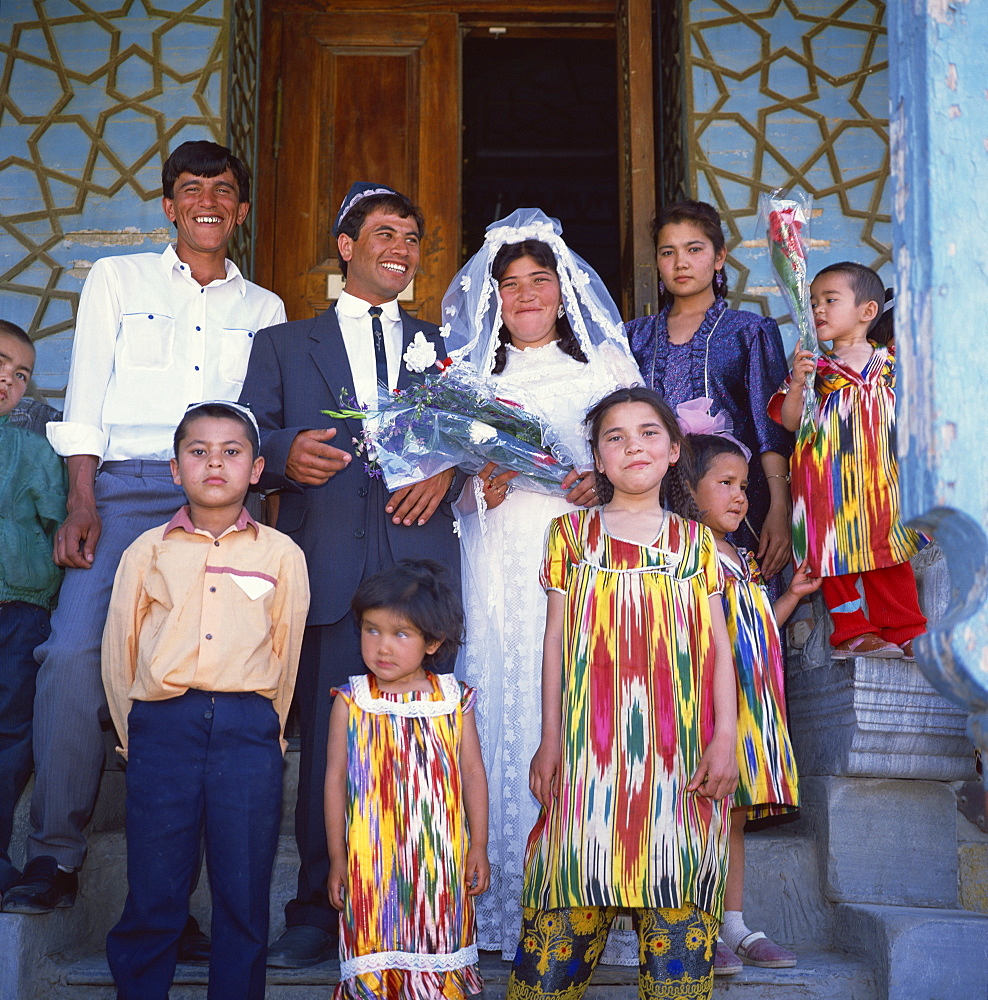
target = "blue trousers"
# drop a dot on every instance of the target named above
(207, 761)
(22, 627)
(70, 704)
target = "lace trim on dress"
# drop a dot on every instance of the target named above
(412, 961)
(526, 350)
(449, 686)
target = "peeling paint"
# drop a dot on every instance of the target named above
(948, 433)
(763, 289)
(952, 76)
(954, 111)
(898, 147)
(943, 11)
(128, 237)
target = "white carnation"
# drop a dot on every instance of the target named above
(421, 354)
(481, 432)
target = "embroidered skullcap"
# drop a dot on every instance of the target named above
(357, 192)
(237, 411)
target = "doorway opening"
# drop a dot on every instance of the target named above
(540, 130)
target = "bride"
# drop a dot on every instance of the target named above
(534, 316)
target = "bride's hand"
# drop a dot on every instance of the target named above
(495, 488)
(584, 493)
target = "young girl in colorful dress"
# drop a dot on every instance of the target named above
(845, 476)
(767, 781)
(406, 798)
(639, 716)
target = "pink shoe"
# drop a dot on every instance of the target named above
(869, 645)
(726, 963)
(756, 949)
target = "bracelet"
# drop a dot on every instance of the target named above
(777, 476)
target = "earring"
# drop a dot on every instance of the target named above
(662, 287)
(720, 284)
(560, 312)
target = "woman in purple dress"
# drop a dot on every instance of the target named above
(697, 347)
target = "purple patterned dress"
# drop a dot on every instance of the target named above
(737, 359)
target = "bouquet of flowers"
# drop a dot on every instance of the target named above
(786, 219)
(455, 419)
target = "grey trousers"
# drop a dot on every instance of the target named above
(131, 497)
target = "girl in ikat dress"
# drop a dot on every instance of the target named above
(637, 757)
(846, 476)
(767, 781)
(406, 802)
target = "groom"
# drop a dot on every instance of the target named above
(342, 516)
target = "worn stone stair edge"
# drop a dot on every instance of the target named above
(813, 966)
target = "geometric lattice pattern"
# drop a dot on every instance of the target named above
(93, 95)
(790, 94)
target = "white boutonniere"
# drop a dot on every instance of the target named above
(421, 354)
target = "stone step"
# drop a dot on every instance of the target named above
(819, 976)
(783, 899)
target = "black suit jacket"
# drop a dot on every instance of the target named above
(296, 370)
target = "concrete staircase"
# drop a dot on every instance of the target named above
(60, 956)
(867, 886)
(784, 893)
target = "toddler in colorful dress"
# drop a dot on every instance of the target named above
(406, 798)
(637, 759)
(845, 476)
(767, 780)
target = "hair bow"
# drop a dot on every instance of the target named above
(694, 417)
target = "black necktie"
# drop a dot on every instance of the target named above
(380, 354)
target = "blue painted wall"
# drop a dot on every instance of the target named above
(97, 93)
(790, 95)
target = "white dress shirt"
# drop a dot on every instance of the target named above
(358, 338)
(149, 340)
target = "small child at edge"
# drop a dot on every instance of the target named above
(32, 498)
(200, 653)
(845, 478)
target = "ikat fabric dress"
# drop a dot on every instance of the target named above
(845, 476)
(407, 930)
(767, 781)
(638, 667)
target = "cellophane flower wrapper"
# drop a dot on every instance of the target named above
(454, 420)
(787, 221)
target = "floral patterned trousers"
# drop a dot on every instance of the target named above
(559, 950)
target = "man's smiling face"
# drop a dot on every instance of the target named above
(384, 257)
(206, 210)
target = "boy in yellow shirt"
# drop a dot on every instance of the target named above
(200, 653)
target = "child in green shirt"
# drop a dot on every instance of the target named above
(32, 498)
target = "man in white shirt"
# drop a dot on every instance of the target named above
(333, 505)
(154, 332)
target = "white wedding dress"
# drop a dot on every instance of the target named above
(505, 608)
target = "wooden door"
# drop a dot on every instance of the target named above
(348, 96)
(639, 283)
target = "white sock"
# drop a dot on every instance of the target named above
(732, 929)
(68, 871)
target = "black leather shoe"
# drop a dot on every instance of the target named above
(194, 944)
(41, 888)
(302, 946)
